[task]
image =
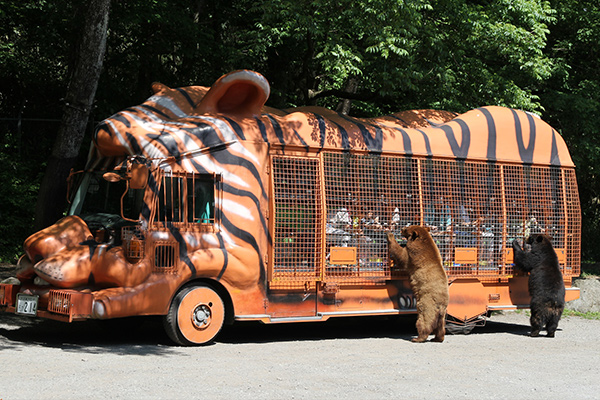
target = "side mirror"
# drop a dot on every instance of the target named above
(139, 176)
(112, 177)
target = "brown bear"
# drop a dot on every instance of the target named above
(428, 280)
(546, 285)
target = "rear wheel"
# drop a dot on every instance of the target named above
(196, 316)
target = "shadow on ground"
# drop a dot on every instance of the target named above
(145, 335)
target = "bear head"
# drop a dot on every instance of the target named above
(415, 232)
(540, 243)
(538, 240)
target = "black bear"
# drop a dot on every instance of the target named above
(546, 285)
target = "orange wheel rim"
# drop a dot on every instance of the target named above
(200, 315)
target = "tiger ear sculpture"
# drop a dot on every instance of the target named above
(158, 87)
(239, 93)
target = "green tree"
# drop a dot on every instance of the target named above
(452, 54)
(572, 101)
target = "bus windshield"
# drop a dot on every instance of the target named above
(97, 196)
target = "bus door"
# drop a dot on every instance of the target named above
(296, 224)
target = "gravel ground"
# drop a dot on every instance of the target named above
(346, 358)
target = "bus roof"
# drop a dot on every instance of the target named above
(176, 122)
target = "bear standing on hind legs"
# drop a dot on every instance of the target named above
(546, 285)
(428, 279)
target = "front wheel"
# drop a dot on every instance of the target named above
(196, 316)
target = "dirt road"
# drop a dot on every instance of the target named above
(340, 359)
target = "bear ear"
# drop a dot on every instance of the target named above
(415, 235)
(539, 239)
(240, 93)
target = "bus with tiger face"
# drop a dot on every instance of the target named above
(206, 207)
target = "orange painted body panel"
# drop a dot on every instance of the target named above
(284, 211)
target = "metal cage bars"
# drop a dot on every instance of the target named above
(332, 212)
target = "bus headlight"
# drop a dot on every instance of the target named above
(98, 309)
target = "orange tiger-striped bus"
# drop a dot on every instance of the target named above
(206, 207)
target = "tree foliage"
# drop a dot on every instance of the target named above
(377, 55)
(572, 99)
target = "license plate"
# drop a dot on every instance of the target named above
(27, 304)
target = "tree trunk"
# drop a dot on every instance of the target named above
(345, 105)
(51, 201)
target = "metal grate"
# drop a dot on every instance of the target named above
(572, 224)
(59, 302)
(358, 193)
(187, 200)
(166, 255)
(76, 305)
(298, 212)
(133, 242)
(462, 206)
(474, 211)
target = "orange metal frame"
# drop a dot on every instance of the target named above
(474, 211)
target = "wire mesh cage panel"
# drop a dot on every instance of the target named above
(473, 210)
(545, 200)
(462, 206)
(298, 216)
(366, 195)
(573, 225)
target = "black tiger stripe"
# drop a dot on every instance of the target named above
(406, 124)
(226, 158)
(133, 143)
(343, 136)
(153, 186)
(225, 256)
(306, 146)
(183, 251)
(206, 133)
(432, 123)
(103, 126)
(278, 130)
(322, 129)
(525, 152)
(244, 193)
(263, 129)
(187, 97)
(158, 111)
(245, 237)
(406, 142)
(554, 157)
(199, 168)
(460, 151)
(427, 143)
(374, 144)
(122, 119)
(168, 142)
(236, 127)
(491, 150)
